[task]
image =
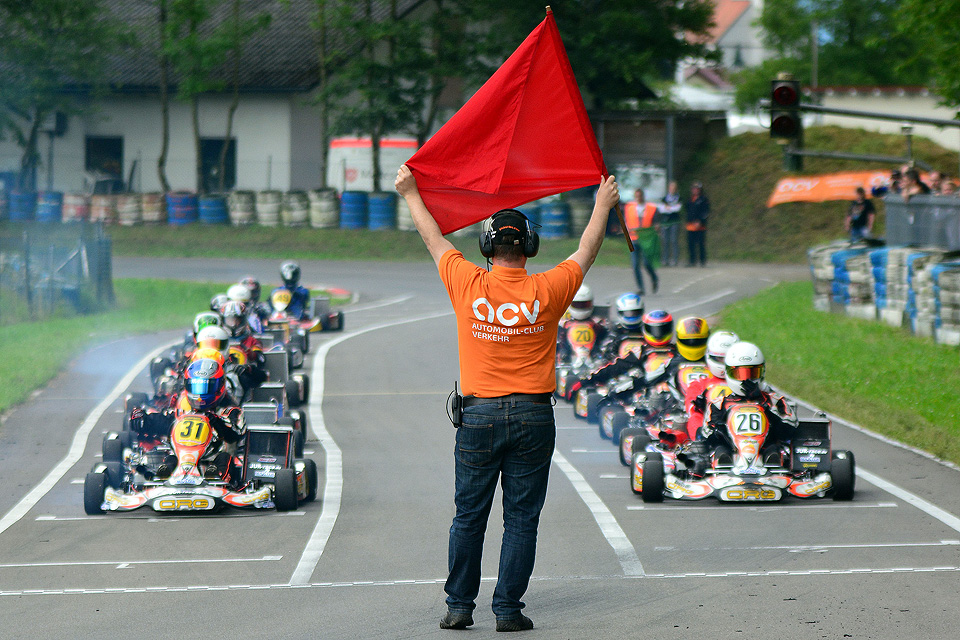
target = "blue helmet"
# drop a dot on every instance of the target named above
(205, 383)
(630, 310)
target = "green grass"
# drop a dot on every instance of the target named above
(874, 375)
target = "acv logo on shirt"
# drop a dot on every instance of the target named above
(507, 314)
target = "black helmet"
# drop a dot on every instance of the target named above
(290, 273)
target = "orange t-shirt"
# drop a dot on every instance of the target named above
(507, 324)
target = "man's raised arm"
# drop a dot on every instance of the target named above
(607, 198)
(428, 228)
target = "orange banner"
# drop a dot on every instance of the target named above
(832, 186)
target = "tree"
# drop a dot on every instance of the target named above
(53, 54)
(941, 49)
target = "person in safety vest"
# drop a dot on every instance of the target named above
(640, 218)
(507, 323)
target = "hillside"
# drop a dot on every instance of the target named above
(740, 172)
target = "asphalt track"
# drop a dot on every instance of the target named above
(368, 560)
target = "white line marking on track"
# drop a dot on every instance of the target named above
(382, 303)
(766, 507)
(609, 527)
(927, 507)
(126, 563)
(588, 428)
(702, 301)
(77, 446)
(150, 518)
(818, 547)
(333, 481)
(613, 476)
(593, 451)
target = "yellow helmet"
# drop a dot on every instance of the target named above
(692, 334)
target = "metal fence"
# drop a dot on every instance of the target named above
(927, 221)
(46, 270)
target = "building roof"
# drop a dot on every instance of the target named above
(725, 15)
(281, 57)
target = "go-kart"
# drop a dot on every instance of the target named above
(747, 467)
(190, 470)
(581, 342)
(300, 328)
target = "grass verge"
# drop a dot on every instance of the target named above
(871, 374)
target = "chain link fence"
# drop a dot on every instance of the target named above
(52, 270)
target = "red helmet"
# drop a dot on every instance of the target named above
(657, 327)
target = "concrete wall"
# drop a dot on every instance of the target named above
(306, 148)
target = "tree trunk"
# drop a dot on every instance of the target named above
(195, 109)
(164, 101)
(27, 180)
(222, 167)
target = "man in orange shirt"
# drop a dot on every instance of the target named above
(507, 332)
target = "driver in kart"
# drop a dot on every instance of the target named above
(580, 311)
(251, 365)
(628, 330)
(744, 367)
(259, 312)
(299, 306)
(705, 390)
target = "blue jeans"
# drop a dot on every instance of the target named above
(638, 257)
(671, 246)
(512, 443)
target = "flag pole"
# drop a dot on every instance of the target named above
(623, 224)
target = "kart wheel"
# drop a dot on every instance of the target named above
(618, 422)
(136, 399)
(626, 455)
(114, 475)
(112, 449)
(653, 478)
(285, 490)
(305, 388)
(94, 487)
(569, 381)
(306, 342)
(640, 442)
(292, 387)
(313, 479)
(842, 474)
(298, 444)
(604, 416)
(593, 402)
(634, 480)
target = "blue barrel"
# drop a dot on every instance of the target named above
(22, 205)
(353, 210)
(383, 210)
(213, 210)
(50, 206)
(532, 211)
(8, 180)
(555, 220)
(181, 207)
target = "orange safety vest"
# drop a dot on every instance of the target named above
(631, 216)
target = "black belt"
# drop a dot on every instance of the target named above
(513, 398)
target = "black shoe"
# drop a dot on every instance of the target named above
(641, 292)
(523, 623)
(456, 620)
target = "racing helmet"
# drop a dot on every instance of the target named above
(215, 338)
(217, 302)
(205, 319)
(657, 328)
(718, 344)
(630, 311)
(290, 274)
(239, 293)
(234, 318)
(744, 367)
(692, 334)
(207, 353)
(205, 384)
(582, 306)
(253, 285)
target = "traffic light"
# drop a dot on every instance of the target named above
(785, 119)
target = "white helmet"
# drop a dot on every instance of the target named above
(582, 306)
(744, 366)
(630, 311)
(239, 293)
(717, 346)
(216, 337)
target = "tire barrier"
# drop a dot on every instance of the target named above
(532, 211)
(213, 209)
(382, 207)
(296, 209)
(151, 208)
(181, 208)
(103, 208)
(268, 208)
(324, 209)
(4, 205)
(243, 207)
(22, 205)
(49, 206)
(76, 207)
(554, 220)
(404, 218)
(353, 210)
(580, 211)
(129, 209)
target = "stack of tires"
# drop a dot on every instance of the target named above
(946, 289)
(243, 207)
(129, 211)
(268, 208)
(554, 219)
(324, 208)
(76, 207)
(296, 209)
(151, 208)
(103, 208)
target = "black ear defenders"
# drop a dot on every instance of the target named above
(531, 240)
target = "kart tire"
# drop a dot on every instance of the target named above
(298, 444)
(306, 342)
(114, 473)
(593, 402)
(136, 399)
(94, 488)
(112, 449)
(603, 417)
(313, 479)
(652, 478)
(292, 388)
(842, 474)
(641, 441)
(618, 423)
(305, 388)
(569, 381)
(633, 474)
(627, 456)
(285, 490)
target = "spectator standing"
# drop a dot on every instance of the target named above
(506, 432)
(670, 225)
(860, 216)
(698, 210)
(640, 218)
(913, 185)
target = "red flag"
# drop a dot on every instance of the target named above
(524, 135)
